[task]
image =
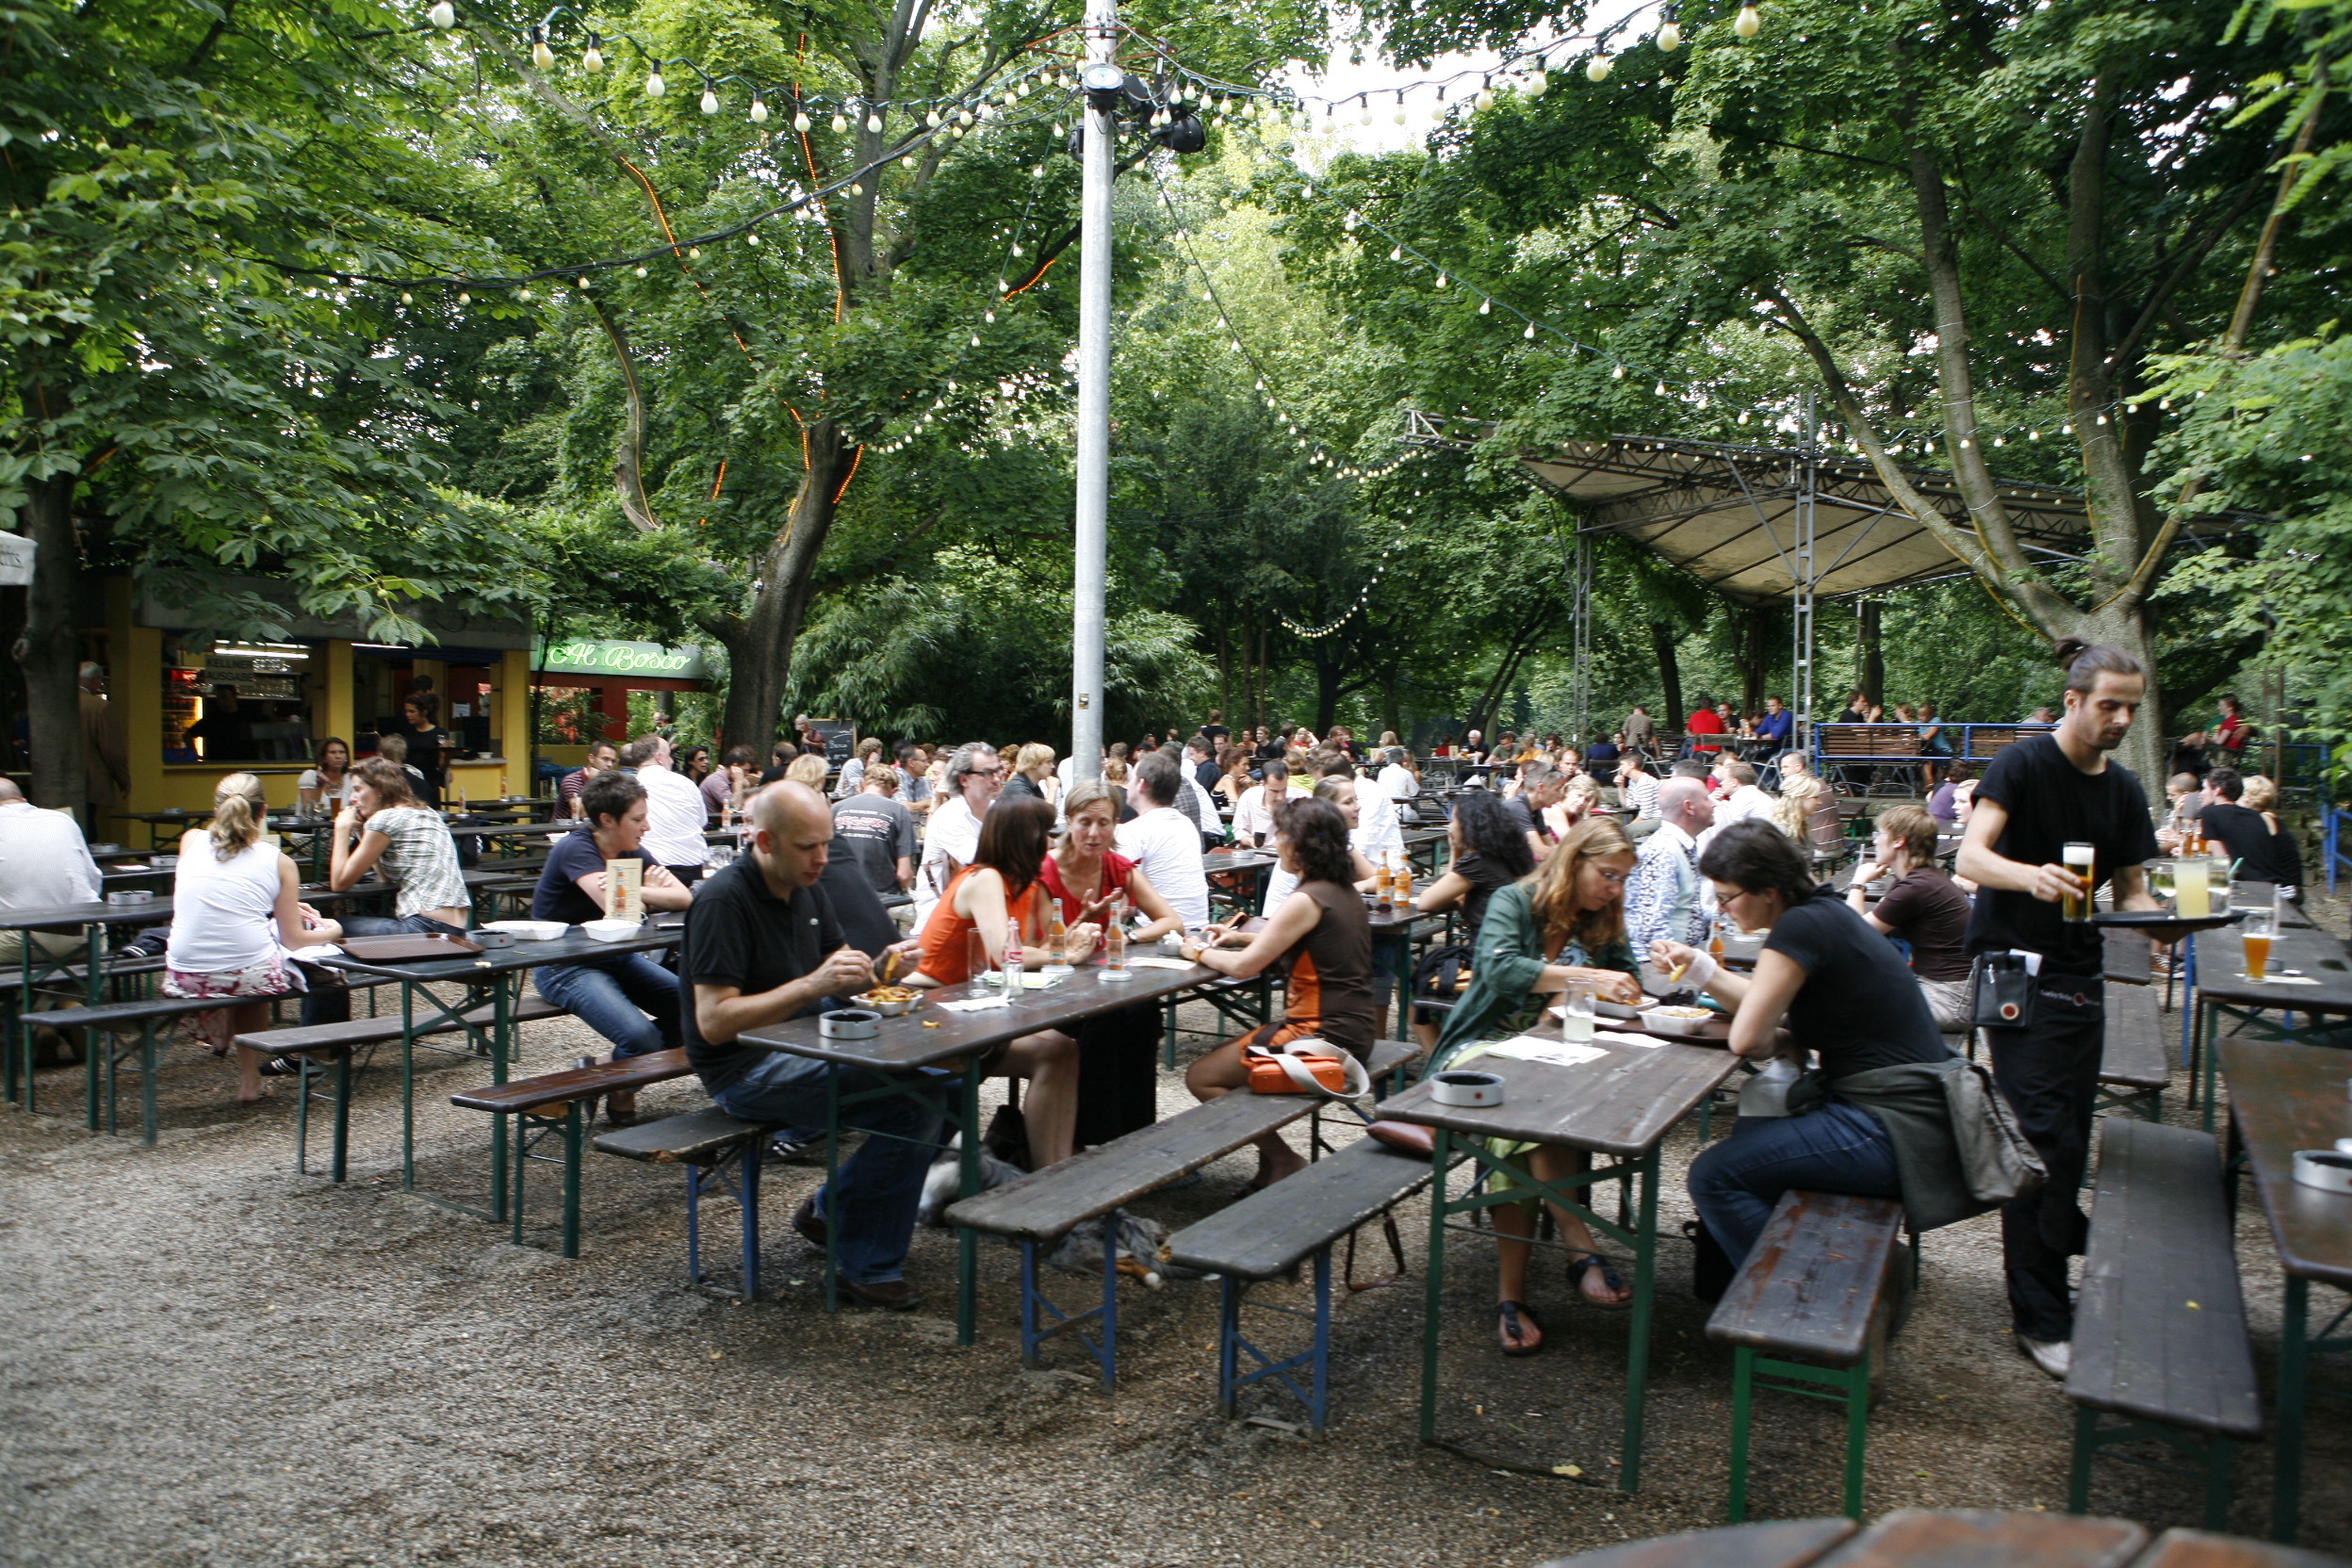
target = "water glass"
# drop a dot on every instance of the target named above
(2217, 877)
(1577, 1012)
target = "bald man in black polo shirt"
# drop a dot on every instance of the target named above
(762, 946)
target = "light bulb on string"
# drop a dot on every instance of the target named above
(1618, 373)
(1538, 83)
(1670, 36)
(759, 110)
(709, 102)
(1529, 333)
(655, 86)
(592, 58)
(874, 125)
(1486, 307)
(840, 126)
(800, 122)
(443, 15)
(1748, 24)
(1597, 69)
(541, 57)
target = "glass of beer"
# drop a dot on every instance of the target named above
(2082, 859)
(2255, 935)
(1577, 1012)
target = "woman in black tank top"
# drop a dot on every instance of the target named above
(1323, 933)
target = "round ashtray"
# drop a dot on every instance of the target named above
(130, 896)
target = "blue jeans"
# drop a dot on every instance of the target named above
(333, 1005)
(1840, 1148)
(631, 1001)
(872, 1212)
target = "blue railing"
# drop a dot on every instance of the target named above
(2334, 822)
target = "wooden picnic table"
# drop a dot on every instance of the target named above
(1944, 1538)
(932, 1039)
(491, 978)
(2285, 1097)
(2308, 976)
(1618, 1107)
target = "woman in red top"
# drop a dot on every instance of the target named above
(1119, 1054)
(1002, 877)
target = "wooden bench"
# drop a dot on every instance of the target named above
(1268, 1233)
(2159, 1337)
(717, 1149)
(2129, 960)
(555, 1104)
(315, 1045)
(2133, 1071)
(1045, 1205)
(1811, 1305)
(122, 1018)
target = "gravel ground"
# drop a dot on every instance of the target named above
(213, 1360)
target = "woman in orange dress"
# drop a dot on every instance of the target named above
(1002, 878)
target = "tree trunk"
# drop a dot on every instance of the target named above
(50, 648)
(1669, 675)
(1869, 663)
(1756, 656)
(760, 644)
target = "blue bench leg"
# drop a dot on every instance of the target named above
(748, 1180)
(1109, 1355)
(1228, 1342)
(2220, 1455)
(1322, 1384)
(1029, 1335)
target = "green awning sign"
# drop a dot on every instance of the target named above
(598, 657)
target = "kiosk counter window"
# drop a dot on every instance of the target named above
(236, 702)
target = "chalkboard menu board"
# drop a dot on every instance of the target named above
(841, 739)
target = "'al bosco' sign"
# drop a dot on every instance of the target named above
(592, 657)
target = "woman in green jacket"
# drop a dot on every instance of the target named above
(1565, 922)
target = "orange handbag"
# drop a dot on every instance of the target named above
(1303, 1066)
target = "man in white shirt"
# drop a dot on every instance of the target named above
(1198, 805)
(676, 813)
(1253, 815)
(1396, 782)
(952, 837)
(1162, 842)
(1662, 895)
(44, 862)
(1378, 834)
(1741, 797)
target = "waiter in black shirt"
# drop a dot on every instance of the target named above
(2037, 796)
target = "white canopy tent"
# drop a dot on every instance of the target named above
(1770, 524)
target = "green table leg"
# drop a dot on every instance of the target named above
(2286, 1505)
(824, 1193)
(408, 1089)
(1638, 1342)
(574, 1131)
(968, 1239)
(1433, 1300)
(1743, 1404)
(94, 990)
(501, 1047)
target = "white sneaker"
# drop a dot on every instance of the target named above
(2053, 1356)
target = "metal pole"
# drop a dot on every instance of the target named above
(1094, 409)
(1808, 579)
(1583, 679)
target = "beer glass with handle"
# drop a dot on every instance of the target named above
(2255, 935)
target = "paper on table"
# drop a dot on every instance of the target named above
(2281, 980)
(1528, 1048)
(1611, 1036)
(1159, 963)
(973, 1005)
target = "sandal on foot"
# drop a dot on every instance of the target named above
(1583, 1264)
(1514, 1321)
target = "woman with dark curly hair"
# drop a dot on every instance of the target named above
(1322, 933)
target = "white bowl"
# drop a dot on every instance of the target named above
(1670, 1019)
(528, 930)
(611, 930)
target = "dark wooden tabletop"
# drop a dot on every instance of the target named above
(2306, 951)
(1217, 860)
(932, 1034)
(573, 947)
(2284, 1098)
(1621, 1104)
(1918, 1538)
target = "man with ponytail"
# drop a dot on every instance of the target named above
(2037, 796)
